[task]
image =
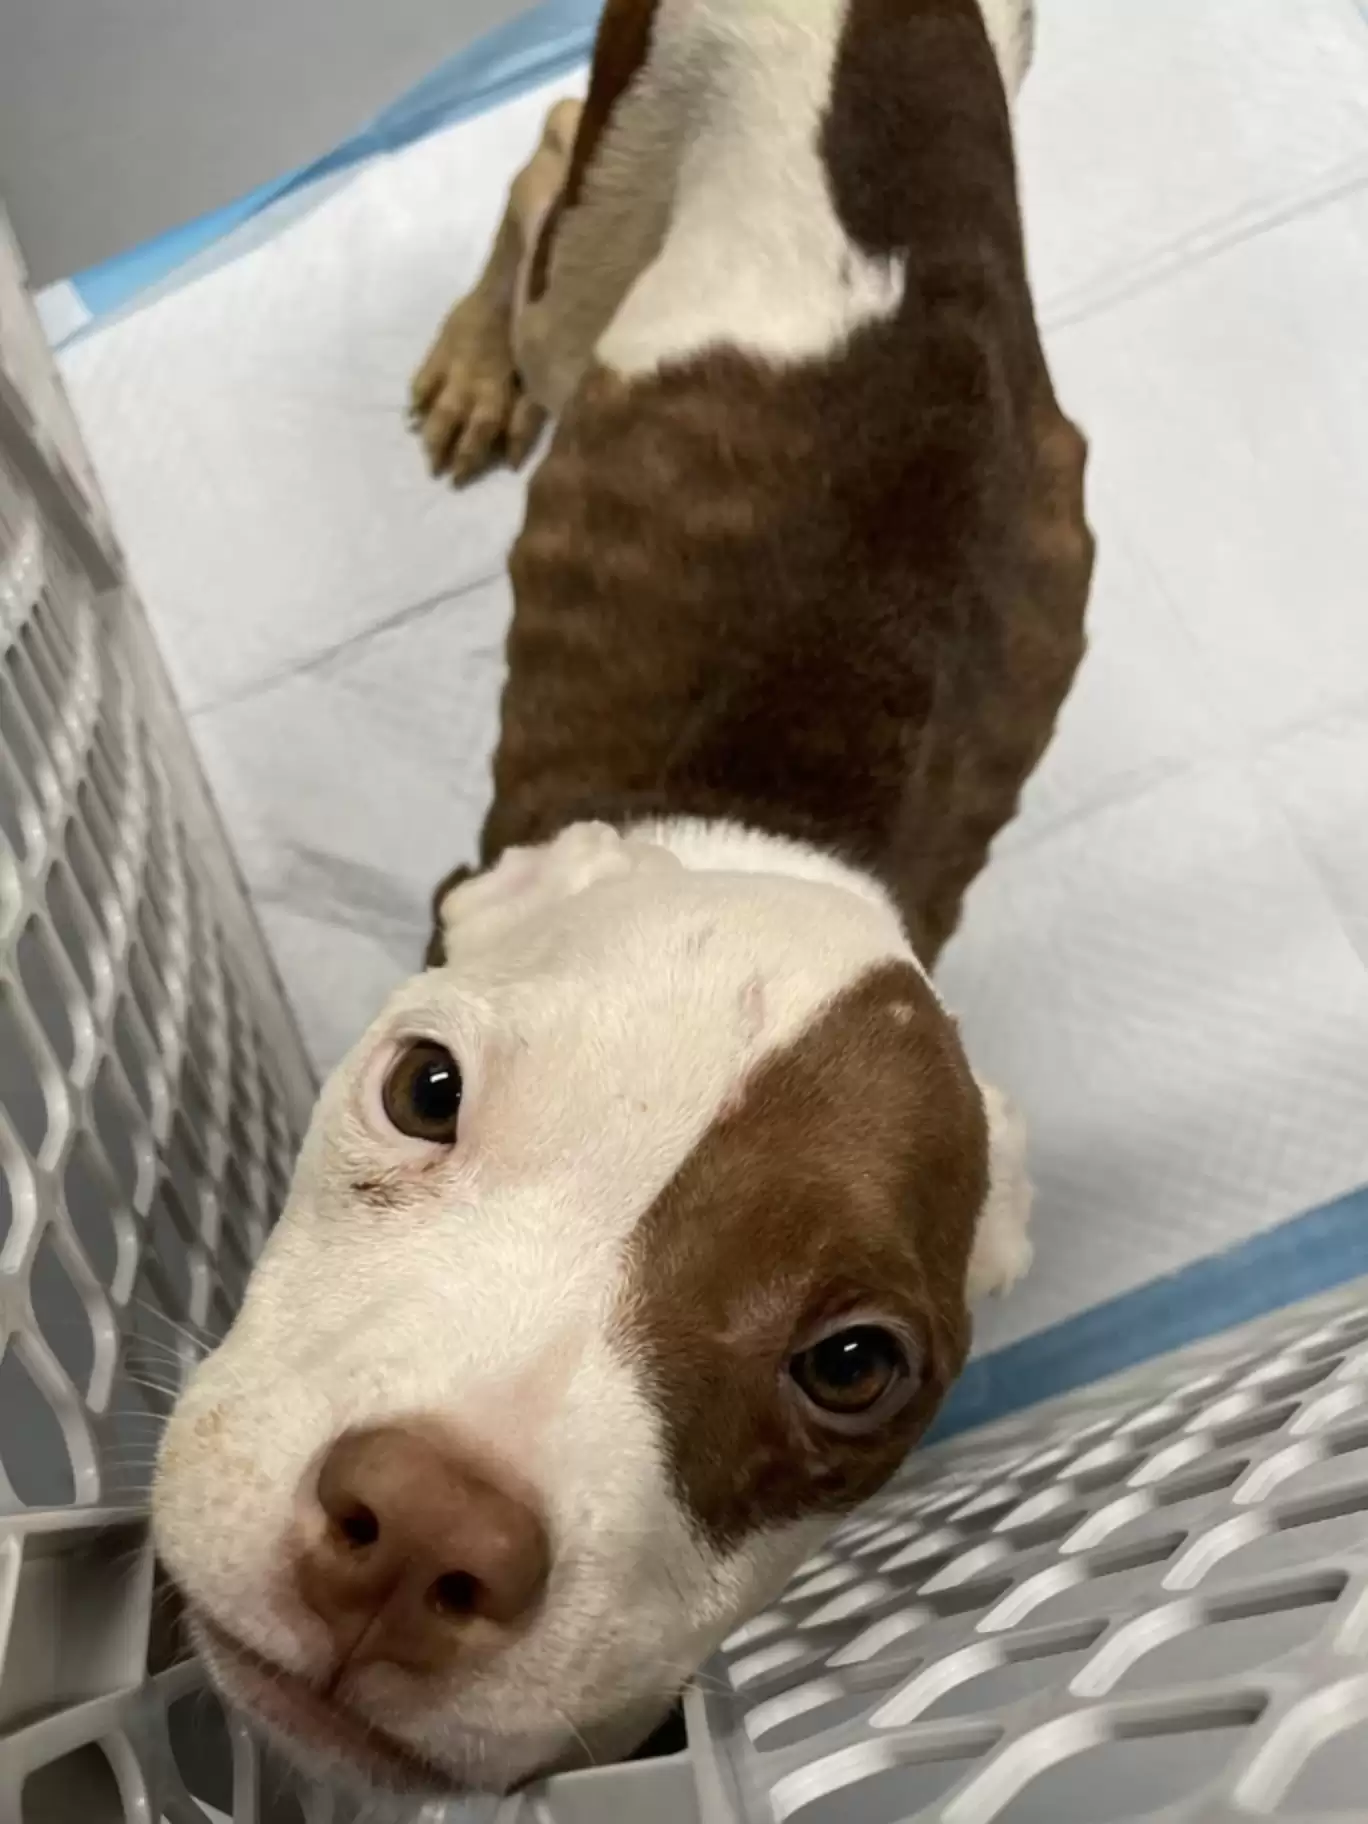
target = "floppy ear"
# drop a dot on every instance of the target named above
(435, 954)
(1002, 1244)
(477, 909)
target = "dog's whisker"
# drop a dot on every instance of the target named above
(196, 1337)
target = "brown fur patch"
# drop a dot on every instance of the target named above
(620, 48)
(846, 1178)
(840, 600)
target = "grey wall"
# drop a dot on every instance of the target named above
(120, 118)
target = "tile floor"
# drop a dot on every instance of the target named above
(1168, 960)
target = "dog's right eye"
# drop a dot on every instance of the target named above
(422, 1094)
(856, 1376)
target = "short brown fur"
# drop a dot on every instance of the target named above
(848, 1176)
(840, 600)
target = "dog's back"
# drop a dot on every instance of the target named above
(808, 550)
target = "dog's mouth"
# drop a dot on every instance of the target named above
(302, 1714)
(306, 1716)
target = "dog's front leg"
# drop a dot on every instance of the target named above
(468, 402)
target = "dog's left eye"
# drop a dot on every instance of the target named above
(853, 1372)
(422, 1094)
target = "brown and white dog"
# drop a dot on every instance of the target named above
(634, 1242)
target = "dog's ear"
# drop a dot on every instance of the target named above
(1002, 1243)
(474, 909)
(435, 954)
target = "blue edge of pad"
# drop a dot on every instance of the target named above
(537, 46)
(1309, 1254)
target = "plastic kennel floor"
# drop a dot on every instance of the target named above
(1148, 1600)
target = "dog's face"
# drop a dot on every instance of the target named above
(625, 1251)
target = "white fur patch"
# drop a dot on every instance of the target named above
(1003, 1249)
(714, 846)
(1011, 32)
(706, 218)
(755, 257)
(525, 881)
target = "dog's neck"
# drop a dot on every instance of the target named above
(718, 845)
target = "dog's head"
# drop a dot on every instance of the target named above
(626, 1250)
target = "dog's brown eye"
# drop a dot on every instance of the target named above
(852, 1371)
(422, 1095)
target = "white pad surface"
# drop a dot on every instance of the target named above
(1167, 963)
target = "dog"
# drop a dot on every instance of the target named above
(635, 1242)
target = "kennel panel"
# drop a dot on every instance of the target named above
(152, 1093)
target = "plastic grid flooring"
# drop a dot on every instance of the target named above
(1147, 1601)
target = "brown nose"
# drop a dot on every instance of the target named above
(422, 1553)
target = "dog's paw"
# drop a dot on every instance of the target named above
(466, 402)
(1003, 1251)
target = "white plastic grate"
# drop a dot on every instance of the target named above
(142, 1125)
(1147, 1601)
(152, 1091)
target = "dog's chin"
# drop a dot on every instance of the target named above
(328, 1740)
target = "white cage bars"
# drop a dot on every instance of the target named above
(152, 1090)
(1149, 1600)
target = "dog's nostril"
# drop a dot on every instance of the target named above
(455, 1594)
(358, 1527)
